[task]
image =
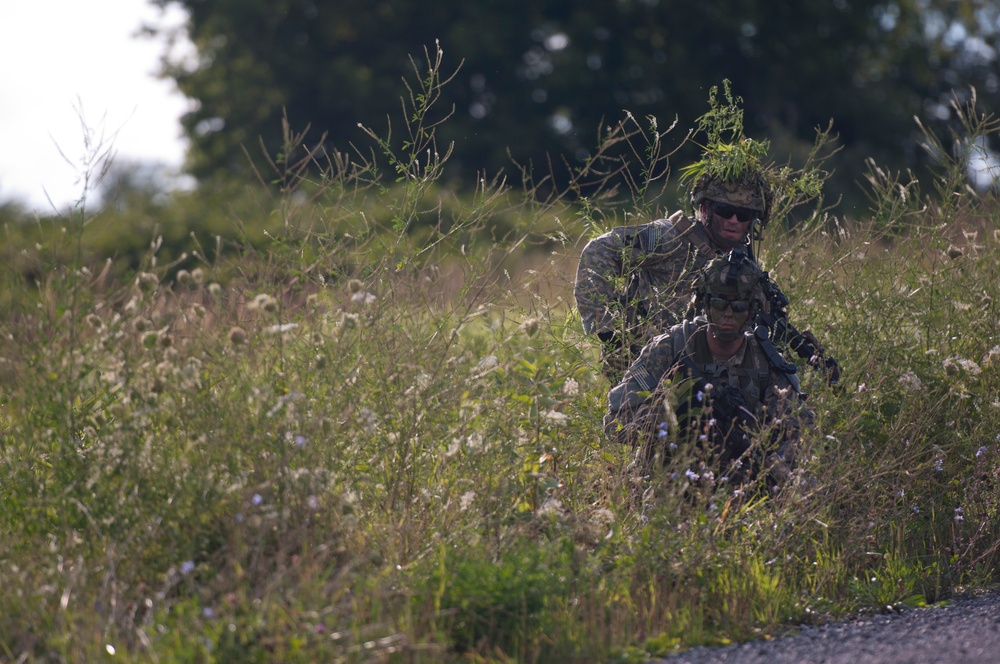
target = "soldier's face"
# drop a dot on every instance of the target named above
(727, 225)
(725, 324)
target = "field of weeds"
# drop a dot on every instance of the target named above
(381, 440)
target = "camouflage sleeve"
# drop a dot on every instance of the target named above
(601, 264)
(635, 405)
(606, 265)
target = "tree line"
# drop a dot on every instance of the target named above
(535, 82)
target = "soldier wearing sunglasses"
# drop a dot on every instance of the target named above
(633, 282)
(711, 387)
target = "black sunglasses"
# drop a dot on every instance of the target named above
(742, 214)
(720, 304)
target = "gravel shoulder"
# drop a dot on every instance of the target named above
(965, 631)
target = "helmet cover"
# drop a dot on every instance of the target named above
(749, 191)
(734, 277)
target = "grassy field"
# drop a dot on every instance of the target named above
(370, 430)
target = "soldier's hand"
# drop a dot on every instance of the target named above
(819, 361)
(811, 338)
(832, 371)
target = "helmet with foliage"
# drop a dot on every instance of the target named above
(734, 277)
(749, 190)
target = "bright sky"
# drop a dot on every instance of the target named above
(70, 63)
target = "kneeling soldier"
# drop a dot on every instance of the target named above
(712, 383)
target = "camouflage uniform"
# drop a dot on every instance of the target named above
(655, 403)
(634, 282)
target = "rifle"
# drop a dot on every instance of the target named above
(780, 331)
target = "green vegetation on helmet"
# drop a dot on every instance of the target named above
(730, 169)
(733, 276)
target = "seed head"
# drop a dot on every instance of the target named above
(147, 281)
(349, 321)
(237, 336)
(264, 302)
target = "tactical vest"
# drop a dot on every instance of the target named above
(752, 376)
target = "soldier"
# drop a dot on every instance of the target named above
(633, 282)
(710, 382)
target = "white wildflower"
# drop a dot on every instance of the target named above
(286, 327)
(263, 302)
(367, 419)
(551, 506)
(604, 516)
(571, 388)
(474, 441)
(991, 358)
(555, 417)
(530, 326)
(910, 382)
(466, 500)
(487, 363)
(955, 364)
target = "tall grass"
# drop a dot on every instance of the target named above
(379, 438)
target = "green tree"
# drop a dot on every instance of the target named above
(539, 80)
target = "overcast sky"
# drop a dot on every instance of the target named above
(71, 62)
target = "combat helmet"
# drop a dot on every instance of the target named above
(733, 276)
(749, 190)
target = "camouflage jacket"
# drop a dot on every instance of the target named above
(638, 406)
(634, 282)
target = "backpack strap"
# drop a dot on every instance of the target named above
(681, 336)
